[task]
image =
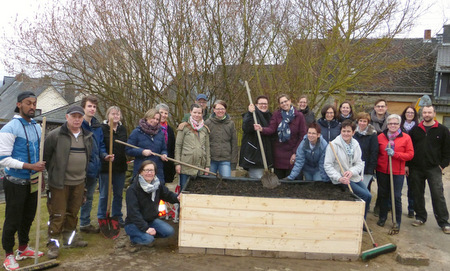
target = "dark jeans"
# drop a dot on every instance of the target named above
(19, 214)
(118, 181)
(360, 189)
(410, 195)
(85, 214)
(434, 177)
(163, 230)
(384, 193)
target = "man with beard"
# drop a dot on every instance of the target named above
(431, 142)
(19, 154)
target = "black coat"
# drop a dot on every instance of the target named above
(120, 159)
(141, 210)
(250, 154)
(369, 149)
(309, 116)
(169, 167)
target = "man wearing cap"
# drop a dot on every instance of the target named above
(67, 151)
(201, 100)
(19, 154)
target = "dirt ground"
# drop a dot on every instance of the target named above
(427, 240)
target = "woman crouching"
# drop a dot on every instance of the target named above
(142, 198)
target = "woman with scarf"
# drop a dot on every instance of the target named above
(192, 145)
(410, 119)
(349, 154)
(366, 135)
(169, 138)
(306, 111)
(142, 199)
(149, 137)
(345, 112)
(398, 145)
(329, 125)
(250, 154)
(222, 140)
(290, 126)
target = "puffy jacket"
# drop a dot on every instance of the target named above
(330, 129)
(144, 141)
(120, 159)
(332, 167)
(431, 148)
(403, 151)
(223, 139)
(192, 147)
(282, 151)
(13, 146)
(310, 160)
(141, 209)
(98, 150)
(369, 147)
(57, 151)
(250, 154)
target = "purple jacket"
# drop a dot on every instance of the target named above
(282, 151)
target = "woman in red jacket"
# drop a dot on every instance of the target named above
(392, 142)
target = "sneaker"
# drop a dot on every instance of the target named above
(27, 253)
(73, 240)
(410, 214)
(52, 250)
(417, 223)
(89, 229)
(446, 229)
(10, 263)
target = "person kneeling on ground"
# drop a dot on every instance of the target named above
(142, 198)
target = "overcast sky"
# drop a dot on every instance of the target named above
(434, 19)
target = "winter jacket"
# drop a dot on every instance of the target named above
(369, 148)
(250, 154)
(310, 160)
(144, 141)
(403, 151)
(282, 151)
(379, 125)
(223, 139)
(330, 129)
(169, 166)
(141, 209)
(13, 146)
(331, 166)
(192, 147)
(341, 118)
(308, 115)
(57, 151)
(120, 159)
(98, 150)
(431, 148)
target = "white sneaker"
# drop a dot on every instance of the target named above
(10, 263)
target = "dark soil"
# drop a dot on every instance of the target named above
(253, 188)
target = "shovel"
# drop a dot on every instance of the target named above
(109, 226)
(269, 179)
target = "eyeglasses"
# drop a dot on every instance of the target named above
(262, 104)
(148, 170)
(220, 109)
(329, 113)
(283, 102)
(380, 106)
(396, 123)
(409, 113)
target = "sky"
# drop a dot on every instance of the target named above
(433, 19)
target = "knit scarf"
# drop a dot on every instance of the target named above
(363, 132)
(196, 125)
(392, 137)
(284, 132)
(349, 150)
(409, 126)
(149, 187)
(147, 128)
(164, 128)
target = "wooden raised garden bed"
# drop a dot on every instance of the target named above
(241, 218)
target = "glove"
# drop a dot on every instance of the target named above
(286, 179)
(390, 151)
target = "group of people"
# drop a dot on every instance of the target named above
(340, 147)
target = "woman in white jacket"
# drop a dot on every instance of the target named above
(349, 154)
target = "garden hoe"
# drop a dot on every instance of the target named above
(269, 179)
(376, 251)
(109, 226)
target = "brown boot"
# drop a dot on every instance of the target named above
(53, 249)
(72, 239)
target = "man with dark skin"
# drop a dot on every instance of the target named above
(19, 154)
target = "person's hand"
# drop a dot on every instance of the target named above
(38, 166)
(257, 127)
(389, 151)
(251, 108)
(407, 171)
(164, 158)
(178, 169)
(109, 157)
(292, 161)
(344, 180)
(151, 231)
(147, 152)
(178, 197)
(348, 174)
(207, 169)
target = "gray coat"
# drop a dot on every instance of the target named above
(223, 139)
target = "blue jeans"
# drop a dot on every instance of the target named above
(118, 181)
(183, 180)
(384, 192)
(163, 230)
(224, 168)
(361, 191)
(312, 176)
(85, 211)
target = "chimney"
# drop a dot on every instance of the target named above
(427, 34)
(446, 35)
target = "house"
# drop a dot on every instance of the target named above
(441, 95)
